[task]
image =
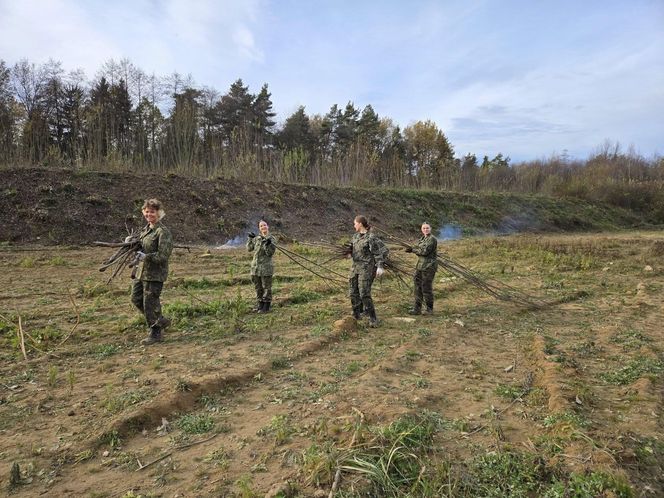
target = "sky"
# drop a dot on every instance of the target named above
(528, 79)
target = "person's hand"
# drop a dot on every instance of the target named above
(129, 238)
(379, 271)
(251, 235)
(268, 242)
(408, 249)
(140, 255)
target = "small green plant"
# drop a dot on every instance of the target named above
(101, 351)
(57, 261)
(424, 332)
(182, 385)
(280, 363)
(280, 427)
(52, 376)
(509, 392)
(245, 487)
(219, 458)
(112, 439)
(346, 370)
(195, 423)
(27, 262)
(83, 456)
(71, 380)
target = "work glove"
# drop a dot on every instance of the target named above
(379, 271)
(129, 238)
(408, 249)
(140, 255)
(251, 235)
(268, 242)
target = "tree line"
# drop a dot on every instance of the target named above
(125, 119)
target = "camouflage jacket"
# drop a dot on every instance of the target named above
(261, 265)
(426, 250)
(368, 252)
(157, 244)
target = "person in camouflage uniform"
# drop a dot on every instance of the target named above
(369, 255)
(156, 247)
(263, 245)
(426, 250)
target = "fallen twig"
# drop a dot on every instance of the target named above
(335, 484)
(197, 442)
(21, 338)
(78, 319)
(154, 461)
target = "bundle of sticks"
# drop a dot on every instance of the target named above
(393, 264)
(499, 290)
(125, 256)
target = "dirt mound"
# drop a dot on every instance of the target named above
(63, 206)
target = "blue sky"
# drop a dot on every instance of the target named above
(524, 78)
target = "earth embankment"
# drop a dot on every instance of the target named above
(64, 206)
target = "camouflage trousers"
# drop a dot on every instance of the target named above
(423, 281)
(145, 296)
(360, 292)
(263, 286)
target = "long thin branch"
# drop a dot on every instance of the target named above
(21, 338)
(78, 319)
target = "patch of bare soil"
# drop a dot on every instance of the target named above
(234, 403)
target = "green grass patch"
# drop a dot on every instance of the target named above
(301, 295)
(635, 369)
(509, 391)
(567, 418)
(346, 370)
(193, 423)
(101, 351)
(590, 485)
(117, 403)
(631, 339)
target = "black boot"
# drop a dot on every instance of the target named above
(429, 310)
(265, 307)
(154, 337)
(415, 310)
(357, 312)
(258, 307)
(163, 323)
(373, 321)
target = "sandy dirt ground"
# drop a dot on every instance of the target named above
(232, 402)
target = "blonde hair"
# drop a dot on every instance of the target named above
(156, 205)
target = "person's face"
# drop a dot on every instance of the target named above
(151, 215)
(358, 226)
(263, 228)
(426, 229)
